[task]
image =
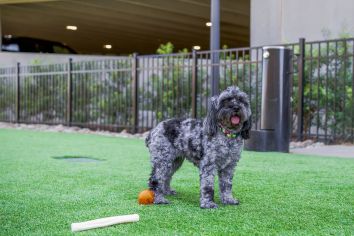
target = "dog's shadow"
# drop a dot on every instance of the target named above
(191, 198)
(183, 197)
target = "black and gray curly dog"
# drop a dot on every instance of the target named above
(213, 145)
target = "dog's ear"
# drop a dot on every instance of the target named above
(210, 125)
(246, 129)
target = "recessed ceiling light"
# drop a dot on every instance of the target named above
(71, 27)
(208, 24)
(196, 47)
(107, 46)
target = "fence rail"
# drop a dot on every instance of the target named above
(136, 92)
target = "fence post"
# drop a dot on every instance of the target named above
(18, 92)
(69, 94)
(135, 85)
(301, 81)
(194, 83)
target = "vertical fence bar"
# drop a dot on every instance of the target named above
(250, 76)
(18, 94)
(344, 85)
(257, 89)
(301, 72)
(352, 103)
(326, 91)
(309, 97)
(334, 134)
(194, 83)
(318, 90)
(69, 94)
(135, 92)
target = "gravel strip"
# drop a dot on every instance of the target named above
(124, 134)
(70, 129)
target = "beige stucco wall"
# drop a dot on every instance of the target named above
(285, 21)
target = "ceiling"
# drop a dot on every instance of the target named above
(128, 25)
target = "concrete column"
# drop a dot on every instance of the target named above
(266, 22)
(285, 21)
(0, 30)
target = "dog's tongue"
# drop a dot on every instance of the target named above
(235, 120)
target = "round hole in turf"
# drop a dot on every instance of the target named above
(73, 158)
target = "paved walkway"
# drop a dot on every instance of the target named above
(344, 151)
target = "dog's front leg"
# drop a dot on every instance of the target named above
(225, 184)
(207, 175)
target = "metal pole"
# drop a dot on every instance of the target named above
(135, 85)
(301, 81)
(194, 83)
(215, 45)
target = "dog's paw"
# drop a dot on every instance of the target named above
(170, 192)
(208, 205)
(161, 200)
(230, 201)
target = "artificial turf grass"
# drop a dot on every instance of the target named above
(279, 193)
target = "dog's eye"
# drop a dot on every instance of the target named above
(243, 100)
(226, 102)
(246, 103)
(229, 103)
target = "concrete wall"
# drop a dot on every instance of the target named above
(8, 59)
(285, 21)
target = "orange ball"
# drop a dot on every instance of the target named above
(146, 197)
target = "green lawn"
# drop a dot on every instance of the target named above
(42, 193)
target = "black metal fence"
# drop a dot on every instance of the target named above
(137, 92)
(323, 90)
(178, 85)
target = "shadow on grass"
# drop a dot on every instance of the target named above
(78, 158)
(183, 197)
(192, 199)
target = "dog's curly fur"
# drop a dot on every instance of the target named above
(204, 144)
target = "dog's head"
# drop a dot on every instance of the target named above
(231, 110)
